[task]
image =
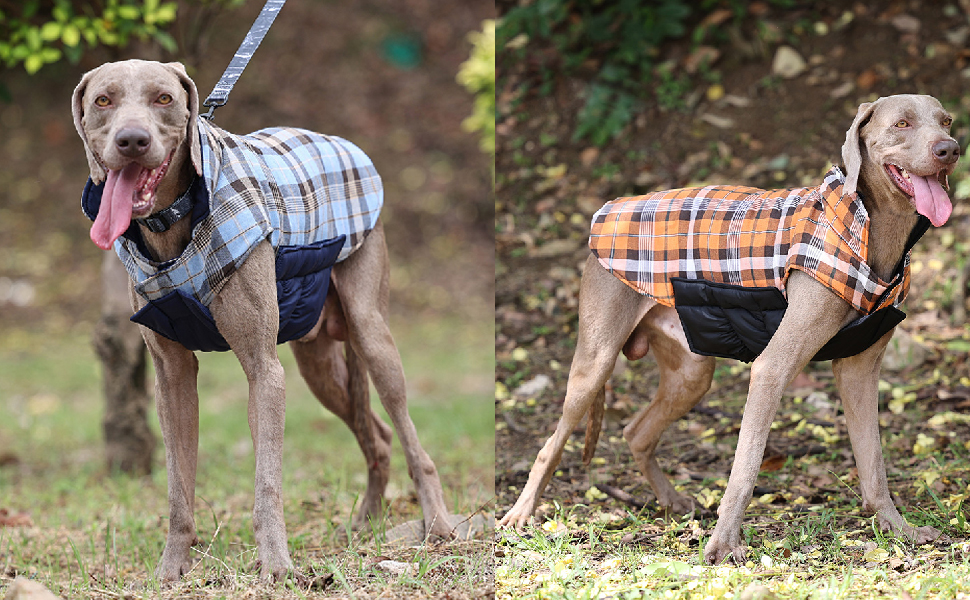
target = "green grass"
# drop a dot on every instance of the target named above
(100, 536)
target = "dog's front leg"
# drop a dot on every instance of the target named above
(814, 315)
(246, 311)
(177, 402)
(858, 381)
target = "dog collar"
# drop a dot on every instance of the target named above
(165, 218)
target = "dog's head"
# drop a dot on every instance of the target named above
(900, 150)
(136, 118)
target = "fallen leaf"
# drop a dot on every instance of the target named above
(533, 387)
(788, 63)
(393, 567)
(716, 121)
(876, 555)
(9, 519)
(867, 79)
(773, 463)
(906, 23)
(673, 568)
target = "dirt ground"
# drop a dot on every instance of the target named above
(757, 129)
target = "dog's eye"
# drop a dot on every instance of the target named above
(164, 99)
(947, 121)
(902, 124)
(102, 101)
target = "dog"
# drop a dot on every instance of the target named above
(214, 230)
(685, 301)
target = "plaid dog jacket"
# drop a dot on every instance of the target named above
(314, 197)
(703, 247)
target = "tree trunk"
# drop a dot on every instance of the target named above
(129, 442)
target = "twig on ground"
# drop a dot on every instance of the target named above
(620, 495)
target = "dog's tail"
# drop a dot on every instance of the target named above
(594, 424)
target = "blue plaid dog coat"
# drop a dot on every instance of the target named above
(314, 197)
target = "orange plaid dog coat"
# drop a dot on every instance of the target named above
(732, 240)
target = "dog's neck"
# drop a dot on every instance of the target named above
(889, 230)
(167, 245)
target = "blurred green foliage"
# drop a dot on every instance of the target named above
(477, 74)
(44, 32)
(614, 45)
(619, 37)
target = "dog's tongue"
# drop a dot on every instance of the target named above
(114, 216)
(931, 199)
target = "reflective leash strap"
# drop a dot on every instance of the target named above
(220, 93)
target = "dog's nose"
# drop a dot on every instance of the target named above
(133, 141)
(946, 151)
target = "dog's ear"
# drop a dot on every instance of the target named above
(98, 172)
(192, 128)
(851, 149)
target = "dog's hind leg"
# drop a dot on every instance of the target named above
(684, 379)
(364, 291)
(858, 381)
(341, 385)
(609, 312)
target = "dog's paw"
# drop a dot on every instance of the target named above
(678, 504)
(515, 519)
(171, 570)
(892, 521)
(923, 535)
(520, 515)
(719, 549)
(438, 527)
(277, 569)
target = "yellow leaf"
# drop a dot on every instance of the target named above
(593, 494)
(520, 354)
(876, 555)
(553, 526)
(556, 172)
(924, 444)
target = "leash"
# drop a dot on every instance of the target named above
(164, 219)
(220, 93)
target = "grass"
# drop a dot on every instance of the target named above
(100, 536)
(632, 557)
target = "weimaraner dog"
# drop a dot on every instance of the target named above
(144, 140)
(897, 155)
